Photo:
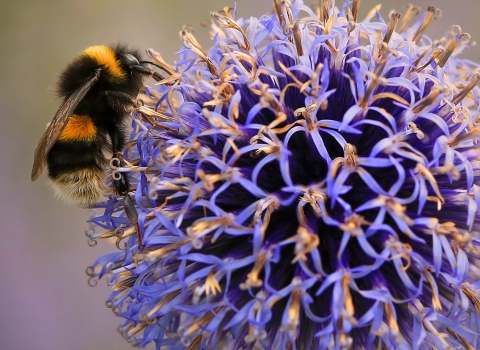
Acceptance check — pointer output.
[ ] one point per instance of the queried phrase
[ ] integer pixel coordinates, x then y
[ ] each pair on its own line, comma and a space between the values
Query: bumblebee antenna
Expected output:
156, 65
147, 71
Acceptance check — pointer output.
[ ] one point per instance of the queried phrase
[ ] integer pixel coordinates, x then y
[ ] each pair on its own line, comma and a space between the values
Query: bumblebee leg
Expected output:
118, 99
121, 184
133, 217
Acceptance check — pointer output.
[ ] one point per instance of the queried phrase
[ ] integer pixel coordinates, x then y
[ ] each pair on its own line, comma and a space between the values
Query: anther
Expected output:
323, 10
427, 100
228, 22
453, 44
375, 81
298, 39
305, 111
392, 23
355, 7
429, 17
435, 54
466, 90
191, 43
278, 9
160, 62
350, 155
409, 14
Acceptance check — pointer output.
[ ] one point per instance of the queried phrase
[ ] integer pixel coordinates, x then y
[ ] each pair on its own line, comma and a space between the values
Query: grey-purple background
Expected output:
45, 301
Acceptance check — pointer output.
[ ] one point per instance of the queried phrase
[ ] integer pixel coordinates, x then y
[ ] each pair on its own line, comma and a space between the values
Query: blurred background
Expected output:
45, 301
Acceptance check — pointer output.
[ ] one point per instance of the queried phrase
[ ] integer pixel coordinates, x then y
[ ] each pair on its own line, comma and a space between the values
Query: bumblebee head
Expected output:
121, 68
129, 60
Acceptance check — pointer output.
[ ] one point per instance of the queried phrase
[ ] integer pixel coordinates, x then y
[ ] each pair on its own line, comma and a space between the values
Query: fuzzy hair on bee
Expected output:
98, 88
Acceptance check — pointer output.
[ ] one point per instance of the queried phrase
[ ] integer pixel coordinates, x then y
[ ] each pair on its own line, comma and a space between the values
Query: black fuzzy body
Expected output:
108, 114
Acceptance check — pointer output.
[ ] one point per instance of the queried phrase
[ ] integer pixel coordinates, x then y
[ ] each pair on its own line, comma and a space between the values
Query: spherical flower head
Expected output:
309, 182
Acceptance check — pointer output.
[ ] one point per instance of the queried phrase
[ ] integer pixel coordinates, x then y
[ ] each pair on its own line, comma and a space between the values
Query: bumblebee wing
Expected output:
55, 128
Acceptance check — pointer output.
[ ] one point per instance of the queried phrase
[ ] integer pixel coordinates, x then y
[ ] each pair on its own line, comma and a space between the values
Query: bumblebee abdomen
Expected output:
76, 164
83, 187
79, 128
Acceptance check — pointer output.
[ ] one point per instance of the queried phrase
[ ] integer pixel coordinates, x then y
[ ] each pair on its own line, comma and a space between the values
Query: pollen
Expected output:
105, 57
79, 128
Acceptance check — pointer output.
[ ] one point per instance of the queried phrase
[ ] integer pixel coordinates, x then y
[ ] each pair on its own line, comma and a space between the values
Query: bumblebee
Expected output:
98, 89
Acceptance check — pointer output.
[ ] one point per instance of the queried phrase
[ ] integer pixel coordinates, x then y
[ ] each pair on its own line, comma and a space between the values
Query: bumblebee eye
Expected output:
130, 60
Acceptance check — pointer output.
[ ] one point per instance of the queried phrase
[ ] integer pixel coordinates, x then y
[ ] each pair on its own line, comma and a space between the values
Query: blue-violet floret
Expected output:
311, 181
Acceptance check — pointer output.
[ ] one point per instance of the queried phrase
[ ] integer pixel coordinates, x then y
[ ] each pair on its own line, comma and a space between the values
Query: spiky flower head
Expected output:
309, 182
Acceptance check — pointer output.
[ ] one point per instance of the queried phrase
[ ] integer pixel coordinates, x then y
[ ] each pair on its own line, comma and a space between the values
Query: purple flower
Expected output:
309, 182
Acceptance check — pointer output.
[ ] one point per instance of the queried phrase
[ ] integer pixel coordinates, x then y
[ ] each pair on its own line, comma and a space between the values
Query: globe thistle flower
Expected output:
309, 182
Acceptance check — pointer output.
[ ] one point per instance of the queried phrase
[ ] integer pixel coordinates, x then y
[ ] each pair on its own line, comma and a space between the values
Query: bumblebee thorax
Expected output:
107, 61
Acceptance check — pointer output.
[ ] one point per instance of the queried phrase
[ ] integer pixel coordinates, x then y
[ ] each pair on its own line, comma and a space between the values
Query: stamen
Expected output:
252, 278
351, 22
466, 90
164, 301
355, 7
228, 22
353, 225
138, 328
435, 54
409, 14
472, 134
278, 9
306, 242
347, 296
472, 297
425, 173
449, 230
312, 195
427, 101
200, 323
211, 284
350, 155
448, 168
297, 39
126, 283
227, 11
322, 10
305, 111
268, 204
453, 44
162, 252
195, 342
391, 96
158, 59
202, 227
437, 305
392, 23
328, 25
294, 309
375, 81
191, 43
284, 9
255, 333
392, 322
429, 17
461, 340
267, 98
